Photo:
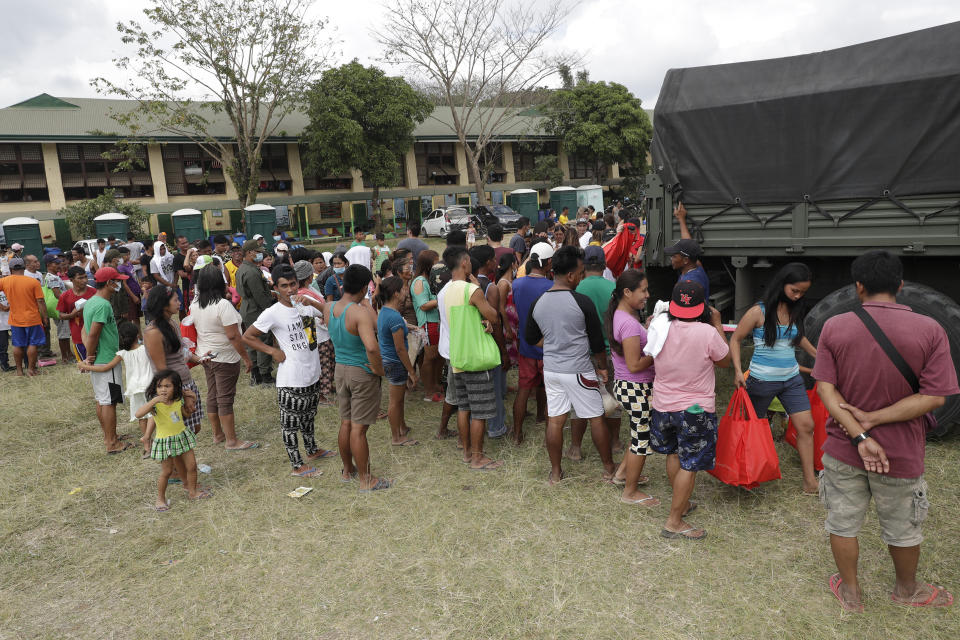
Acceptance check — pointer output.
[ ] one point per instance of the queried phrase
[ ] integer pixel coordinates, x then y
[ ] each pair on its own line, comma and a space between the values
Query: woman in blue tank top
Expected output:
776, 325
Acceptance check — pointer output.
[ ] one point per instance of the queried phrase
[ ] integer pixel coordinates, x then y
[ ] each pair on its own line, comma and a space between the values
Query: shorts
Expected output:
396, 373
433, 333
635, 398
108, 387
80, 351
192, 421
578, 390
475, 393
23, 337
451, 395
221, 386
63, 329
792, 394
692, 436
901, 503
358, 394
530, 372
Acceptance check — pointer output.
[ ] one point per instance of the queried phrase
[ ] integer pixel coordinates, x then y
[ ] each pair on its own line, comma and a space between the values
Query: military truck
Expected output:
816, 158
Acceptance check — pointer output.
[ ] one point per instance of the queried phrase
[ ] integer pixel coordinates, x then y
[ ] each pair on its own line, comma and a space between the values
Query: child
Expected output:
146, 283
392, 336
173, 446
266, 265
138, 372
381, 253
471, 235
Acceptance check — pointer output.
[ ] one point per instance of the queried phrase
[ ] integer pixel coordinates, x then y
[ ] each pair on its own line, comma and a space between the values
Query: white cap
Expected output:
543, 251
281, 246
16, 246
257, 237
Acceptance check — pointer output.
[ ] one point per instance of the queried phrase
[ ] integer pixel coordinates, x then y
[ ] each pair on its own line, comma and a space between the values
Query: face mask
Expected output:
277, 238
117, 286
121, 261
339, 270
259, 257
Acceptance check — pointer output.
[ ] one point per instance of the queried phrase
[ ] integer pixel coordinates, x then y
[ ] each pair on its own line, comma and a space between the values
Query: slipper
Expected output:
125, 436
307, 473
126, 445
692, 506
353, 476
614, 480
146, 456
322, 454
640, 501
666, 533
382, 483
409, 442
246, 445
163, 508
445, 436
563, 476
642, 480
834, 583
174, 481
935, 591
203, 495
493, 465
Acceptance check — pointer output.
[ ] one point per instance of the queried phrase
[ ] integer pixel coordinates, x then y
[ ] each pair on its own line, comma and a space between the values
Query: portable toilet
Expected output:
262, 219
591, 194
561, 197
189, 223
112, 224
26, 231
526, 202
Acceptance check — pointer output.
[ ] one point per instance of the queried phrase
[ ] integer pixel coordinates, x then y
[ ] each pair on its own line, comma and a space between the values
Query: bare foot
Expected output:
321, 454
446, 434
573, 453
406, 442
162, 505
517, 438
811, 489
404, 430
617, 447
553, 480
200, 494
639, 498
303, 471
483, 463
684, 530
219, 438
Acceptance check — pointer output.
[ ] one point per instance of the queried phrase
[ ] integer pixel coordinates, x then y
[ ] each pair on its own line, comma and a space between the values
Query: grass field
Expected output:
447, 553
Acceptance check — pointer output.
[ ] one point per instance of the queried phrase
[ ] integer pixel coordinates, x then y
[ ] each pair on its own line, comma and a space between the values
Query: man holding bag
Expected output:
880, 370
474, 356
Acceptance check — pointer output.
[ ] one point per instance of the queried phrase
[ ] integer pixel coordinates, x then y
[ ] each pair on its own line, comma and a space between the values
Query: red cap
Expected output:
106, 274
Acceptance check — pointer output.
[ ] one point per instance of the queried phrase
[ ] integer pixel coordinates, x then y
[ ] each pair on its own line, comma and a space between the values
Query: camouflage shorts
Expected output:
692, 436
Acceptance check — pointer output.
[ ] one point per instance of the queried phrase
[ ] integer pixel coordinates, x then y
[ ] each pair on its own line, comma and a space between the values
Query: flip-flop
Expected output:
322, 454
174, 481
409, 442
493, 465
203, 495
246, 445
641, 501
146, 456
353, 476
446, 436
642, 480
563, 476
382, 483
164, 508
935, 591
666, 533
307, 473
834, 583
126, 445
692, 506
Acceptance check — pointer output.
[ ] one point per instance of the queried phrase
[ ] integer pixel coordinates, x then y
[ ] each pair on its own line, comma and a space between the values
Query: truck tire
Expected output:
921, 299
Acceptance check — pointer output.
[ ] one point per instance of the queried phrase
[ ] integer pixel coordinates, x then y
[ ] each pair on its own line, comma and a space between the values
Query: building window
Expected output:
274, 170
436, 163
491, 162
87, 170
189, 170
525, 156
581, 169
343, 181
403, 176
22, 178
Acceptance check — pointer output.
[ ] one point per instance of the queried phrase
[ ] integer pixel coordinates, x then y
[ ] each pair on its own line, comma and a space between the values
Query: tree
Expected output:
80, 215
599, 123
545, 167
481, 57
360, 118
250, 59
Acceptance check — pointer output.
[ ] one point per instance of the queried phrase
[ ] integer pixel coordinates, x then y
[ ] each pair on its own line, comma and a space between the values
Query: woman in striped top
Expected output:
776, 324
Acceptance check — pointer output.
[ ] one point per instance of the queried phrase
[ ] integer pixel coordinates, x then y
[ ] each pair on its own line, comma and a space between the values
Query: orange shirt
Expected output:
22, 294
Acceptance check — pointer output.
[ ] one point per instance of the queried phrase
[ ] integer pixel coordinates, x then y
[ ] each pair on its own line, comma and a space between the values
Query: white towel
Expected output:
658, 329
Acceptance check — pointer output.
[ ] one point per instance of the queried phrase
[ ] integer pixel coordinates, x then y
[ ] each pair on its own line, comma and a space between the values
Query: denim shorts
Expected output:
792, 393
692, 436
396, 373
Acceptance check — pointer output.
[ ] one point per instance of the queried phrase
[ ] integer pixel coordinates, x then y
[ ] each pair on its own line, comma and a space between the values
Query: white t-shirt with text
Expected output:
294, 329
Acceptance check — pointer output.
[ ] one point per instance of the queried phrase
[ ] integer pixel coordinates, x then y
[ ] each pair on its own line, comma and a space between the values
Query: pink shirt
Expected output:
626, 325
685, 367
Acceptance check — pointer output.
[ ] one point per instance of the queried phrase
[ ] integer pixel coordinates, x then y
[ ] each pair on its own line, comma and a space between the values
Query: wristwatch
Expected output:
856, 440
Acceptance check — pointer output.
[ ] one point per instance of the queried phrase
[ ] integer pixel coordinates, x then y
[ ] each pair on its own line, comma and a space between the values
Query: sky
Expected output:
57, 46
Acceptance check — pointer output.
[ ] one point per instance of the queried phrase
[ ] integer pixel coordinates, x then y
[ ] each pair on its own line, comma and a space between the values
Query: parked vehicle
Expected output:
439, 222
500, 214
816, 158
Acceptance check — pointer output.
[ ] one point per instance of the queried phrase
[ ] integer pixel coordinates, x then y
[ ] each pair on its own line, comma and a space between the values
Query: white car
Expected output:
439, 221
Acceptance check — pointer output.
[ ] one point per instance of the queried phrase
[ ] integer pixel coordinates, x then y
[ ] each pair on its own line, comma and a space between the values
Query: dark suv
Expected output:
500, 214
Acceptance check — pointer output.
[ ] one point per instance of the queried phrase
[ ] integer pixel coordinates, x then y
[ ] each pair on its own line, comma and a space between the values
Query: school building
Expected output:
55, 151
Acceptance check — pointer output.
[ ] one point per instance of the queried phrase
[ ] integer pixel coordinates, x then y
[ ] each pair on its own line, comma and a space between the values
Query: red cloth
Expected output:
617, 251
66, 304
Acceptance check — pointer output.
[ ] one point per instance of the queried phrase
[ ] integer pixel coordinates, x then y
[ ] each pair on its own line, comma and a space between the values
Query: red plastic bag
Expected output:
820, 415
746, 455
188, 337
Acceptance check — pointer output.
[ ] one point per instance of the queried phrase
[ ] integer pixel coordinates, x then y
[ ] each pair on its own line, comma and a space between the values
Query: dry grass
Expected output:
448, 553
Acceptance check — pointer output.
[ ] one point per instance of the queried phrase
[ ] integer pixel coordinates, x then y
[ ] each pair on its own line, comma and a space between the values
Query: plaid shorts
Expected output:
692, 436
173, 446
474, 392
192, 422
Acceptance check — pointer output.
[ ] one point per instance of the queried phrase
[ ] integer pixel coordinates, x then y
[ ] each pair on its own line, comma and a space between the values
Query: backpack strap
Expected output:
888, 348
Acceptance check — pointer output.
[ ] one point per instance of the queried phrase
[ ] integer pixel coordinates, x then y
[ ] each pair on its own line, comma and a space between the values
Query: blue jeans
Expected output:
498, 426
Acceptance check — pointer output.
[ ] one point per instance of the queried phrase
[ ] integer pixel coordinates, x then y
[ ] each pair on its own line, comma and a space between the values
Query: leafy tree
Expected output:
545, 166
250, 60
360, 118
599, 123
480, 58
80, 215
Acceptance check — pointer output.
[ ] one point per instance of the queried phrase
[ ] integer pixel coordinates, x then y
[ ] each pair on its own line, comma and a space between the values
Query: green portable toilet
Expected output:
112, 224
561, 197
189, 223
591, 194
526, 202
262, 219
26, 231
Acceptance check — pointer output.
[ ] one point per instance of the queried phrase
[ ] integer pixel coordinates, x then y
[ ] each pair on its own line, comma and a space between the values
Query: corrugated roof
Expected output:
45, 117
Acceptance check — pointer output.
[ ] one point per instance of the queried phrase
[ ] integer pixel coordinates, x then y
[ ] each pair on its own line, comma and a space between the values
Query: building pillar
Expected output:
157, 174
410, 167
51, 169
357, 183
613, 171
461, 159
508, 162
296, 169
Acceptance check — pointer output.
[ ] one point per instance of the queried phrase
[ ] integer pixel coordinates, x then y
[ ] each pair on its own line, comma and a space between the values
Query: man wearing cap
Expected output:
255, 298
683, 422
583, 232
28, 315
259, 238
684, 257
526, 290
102, 342
53, 281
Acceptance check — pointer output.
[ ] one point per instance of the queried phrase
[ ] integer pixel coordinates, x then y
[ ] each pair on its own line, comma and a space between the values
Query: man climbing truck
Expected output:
816, 158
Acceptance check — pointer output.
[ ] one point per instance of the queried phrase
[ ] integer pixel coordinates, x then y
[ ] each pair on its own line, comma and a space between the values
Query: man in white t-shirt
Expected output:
101, 251
583, 232
292, 321
136, 248
360, 254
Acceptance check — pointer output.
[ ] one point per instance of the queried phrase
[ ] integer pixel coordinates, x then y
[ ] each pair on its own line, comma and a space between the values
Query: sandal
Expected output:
641, 501
307, 473
246, 445
935, 592
492, 465
322, 454
126, 445
666, 533
166, 507
382, 483
409, 442
203, 495
835, 583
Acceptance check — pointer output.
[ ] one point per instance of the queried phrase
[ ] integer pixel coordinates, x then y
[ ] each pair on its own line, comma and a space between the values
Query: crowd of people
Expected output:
326, 329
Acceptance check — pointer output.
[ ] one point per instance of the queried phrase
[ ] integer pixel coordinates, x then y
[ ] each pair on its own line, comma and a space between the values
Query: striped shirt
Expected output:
776, 363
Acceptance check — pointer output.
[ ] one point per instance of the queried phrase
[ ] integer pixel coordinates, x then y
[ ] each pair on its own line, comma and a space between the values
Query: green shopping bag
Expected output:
51, 301
471, 348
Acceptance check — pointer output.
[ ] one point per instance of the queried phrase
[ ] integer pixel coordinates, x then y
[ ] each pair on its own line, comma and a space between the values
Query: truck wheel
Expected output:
921, 299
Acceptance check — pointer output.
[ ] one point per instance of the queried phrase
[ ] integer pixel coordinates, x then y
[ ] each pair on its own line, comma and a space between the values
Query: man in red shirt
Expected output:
28, 316
68, 309
876, 433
